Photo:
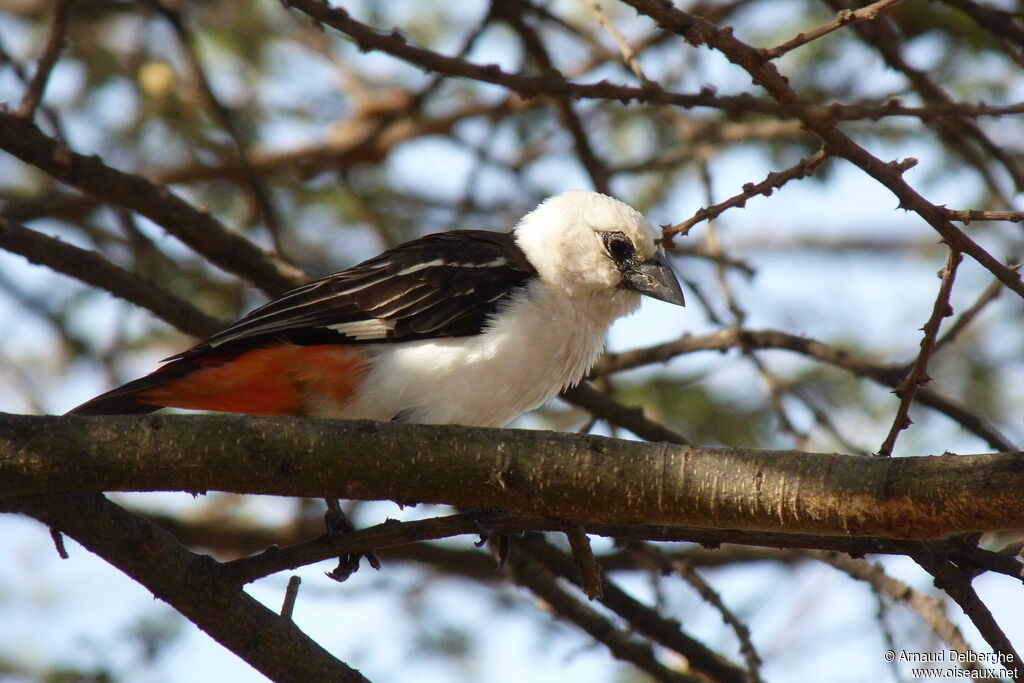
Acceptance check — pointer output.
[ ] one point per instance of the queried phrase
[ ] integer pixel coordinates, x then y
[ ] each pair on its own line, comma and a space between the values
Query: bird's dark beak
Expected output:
654, 278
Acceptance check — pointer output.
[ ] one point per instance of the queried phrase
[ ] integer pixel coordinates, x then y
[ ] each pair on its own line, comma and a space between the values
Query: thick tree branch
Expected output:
529, 472
189, 583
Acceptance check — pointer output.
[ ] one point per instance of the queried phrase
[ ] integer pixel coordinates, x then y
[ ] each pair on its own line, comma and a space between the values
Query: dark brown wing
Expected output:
442, 285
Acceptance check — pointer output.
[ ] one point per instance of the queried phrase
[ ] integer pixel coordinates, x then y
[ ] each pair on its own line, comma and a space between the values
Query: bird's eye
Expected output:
619, 247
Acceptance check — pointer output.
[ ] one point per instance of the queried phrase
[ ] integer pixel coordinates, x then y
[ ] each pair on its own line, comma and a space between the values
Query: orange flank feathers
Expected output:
279, 380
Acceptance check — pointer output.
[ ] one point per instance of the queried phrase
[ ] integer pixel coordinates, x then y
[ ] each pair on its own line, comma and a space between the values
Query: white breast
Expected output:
541, 342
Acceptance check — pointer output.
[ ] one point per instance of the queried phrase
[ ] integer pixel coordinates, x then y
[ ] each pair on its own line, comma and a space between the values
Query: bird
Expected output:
467, 327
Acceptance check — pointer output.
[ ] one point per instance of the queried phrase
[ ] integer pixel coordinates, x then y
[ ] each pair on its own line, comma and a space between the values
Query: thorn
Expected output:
58, 543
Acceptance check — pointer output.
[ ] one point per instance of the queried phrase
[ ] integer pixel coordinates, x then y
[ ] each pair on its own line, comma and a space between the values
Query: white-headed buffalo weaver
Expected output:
468, 326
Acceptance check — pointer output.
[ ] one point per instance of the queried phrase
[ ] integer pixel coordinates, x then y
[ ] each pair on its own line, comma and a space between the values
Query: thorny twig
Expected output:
918, 375
772, 182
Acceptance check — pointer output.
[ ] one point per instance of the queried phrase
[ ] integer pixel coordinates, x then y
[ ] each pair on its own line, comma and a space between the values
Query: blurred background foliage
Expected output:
292, 136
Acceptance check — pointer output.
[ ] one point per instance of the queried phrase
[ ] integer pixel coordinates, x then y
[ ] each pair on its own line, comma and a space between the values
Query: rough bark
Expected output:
577, 477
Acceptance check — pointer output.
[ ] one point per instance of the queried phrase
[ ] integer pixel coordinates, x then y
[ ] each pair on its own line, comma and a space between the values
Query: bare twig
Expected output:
553, 84
607, 408
999, 22
843, 18
952, 579
772, 182
888, 375
683, 568
918, 375
257, 188
990, 294
629, 56
550, 84
931, 609
540, 581
591, 578
971, 215
91, 268
886, 38
58, 543
273, 559
198, 229
535, 49
54, 44
640, 617
701, 32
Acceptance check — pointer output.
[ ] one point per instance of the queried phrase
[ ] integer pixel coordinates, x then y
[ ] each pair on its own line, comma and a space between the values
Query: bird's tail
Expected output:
273, 380
130, 398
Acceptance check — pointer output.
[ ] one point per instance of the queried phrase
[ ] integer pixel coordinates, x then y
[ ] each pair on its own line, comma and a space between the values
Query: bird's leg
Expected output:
501, 543
338, 523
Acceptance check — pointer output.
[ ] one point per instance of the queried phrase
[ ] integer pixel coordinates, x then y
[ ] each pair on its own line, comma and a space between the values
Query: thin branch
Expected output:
195, 228
640, 617
23, 77
886, 39
33, 96
918, 375
399, 541
381, 536
555, 85
290, 594
257, 189
774, 181
701, 32
550, 84
91, 268
535, 48
932, 610
236, 537
971, 215
889, 636
603, 406
994, 289
683, 568
952, 579
541, 582
887, 375
626, 51
999, 22
843, 18
589, 569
